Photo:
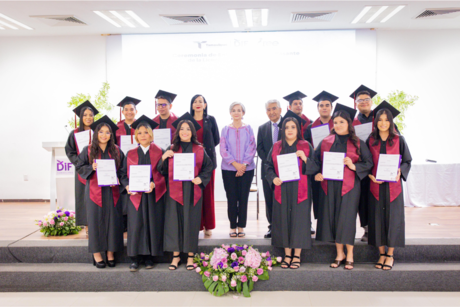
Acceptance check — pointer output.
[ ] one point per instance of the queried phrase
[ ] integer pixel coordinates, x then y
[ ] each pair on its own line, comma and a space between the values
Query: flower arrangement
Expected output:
58, 223
234, 268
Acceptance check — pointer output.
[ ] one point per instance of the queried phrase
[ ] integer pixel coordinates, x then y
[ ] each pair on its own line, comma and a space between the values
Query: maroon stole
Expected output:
395, 187
175, 187
122, 131
83, 181
155, 154
348, 174
318, 122
308, 122
303, 183
95, 191
356, 122
172, 118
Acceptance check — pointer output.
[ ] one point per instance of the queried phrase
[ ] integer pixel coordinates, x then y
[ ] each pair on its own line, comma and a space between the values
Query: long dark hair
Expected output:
284, 143
375, 132
176, 139
113, 149
205, 110
82, 113
351, 130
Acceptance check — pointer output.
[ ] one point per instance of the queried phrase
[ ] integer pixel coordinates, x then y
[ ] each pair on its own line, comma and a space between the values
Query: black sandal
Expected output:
190, 266
242, 234
173, 267
387, 265
295, 265
285, 263
349, 263
381, 264
233, 234
338, 262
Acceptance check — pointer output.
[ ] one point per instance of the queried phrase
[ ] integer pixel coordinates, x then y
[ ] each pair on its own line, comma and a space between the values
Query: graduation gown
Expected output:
124, 129
145, 223
291, 218
386, 216
106, 221
337, 213
166, 123
182, 221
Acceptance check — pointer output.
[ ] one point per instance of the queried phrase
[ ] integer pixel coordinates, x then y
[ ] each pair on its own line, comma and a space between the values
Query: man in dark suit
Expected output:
268, 134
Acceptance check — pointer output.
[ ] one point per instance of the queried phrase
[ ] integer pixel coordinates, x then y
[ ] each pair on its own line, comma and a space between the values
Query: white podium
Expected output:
62, 182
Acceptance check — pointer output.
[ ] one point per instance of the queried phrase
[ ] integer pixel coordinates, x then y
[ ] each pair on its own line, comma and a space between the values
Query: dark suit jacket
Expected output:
265, 143
211, 137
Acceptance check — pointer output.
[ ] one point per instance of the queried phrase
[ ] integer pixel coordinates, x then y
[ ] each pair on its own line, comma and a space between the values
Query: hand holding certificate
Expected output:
139, 178
387, 169
184, 166
333, 165
363, 131
319, 133
125, 143
162, 137
106, 172
288, 167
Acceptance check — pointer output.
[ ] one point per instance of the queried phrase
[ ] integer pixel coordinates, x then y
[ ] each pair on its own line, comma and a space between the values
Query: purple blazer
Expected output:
237, 145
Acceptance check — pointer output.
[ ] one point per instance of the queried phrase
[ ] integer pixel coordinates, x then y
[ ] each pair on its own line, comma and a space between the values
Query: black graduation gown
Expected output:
145, 225
123, 194
80, 208
106, 222
337, 214
182, 222
386, 219
291, 222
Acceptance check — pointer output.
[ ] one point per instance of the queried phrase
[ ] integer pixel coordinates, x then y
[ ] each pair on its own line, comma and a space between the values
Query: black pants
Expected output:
268, 194
237, 190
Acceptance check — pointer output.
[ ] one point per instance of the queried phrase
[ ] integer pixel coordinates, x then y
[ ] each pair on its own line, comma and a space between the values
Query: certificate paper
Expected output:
333, 165
82, 139
363, 131
125, 143
184, 166
387, 169
319, 133
162, 137
139, 178
106, 172
288, 167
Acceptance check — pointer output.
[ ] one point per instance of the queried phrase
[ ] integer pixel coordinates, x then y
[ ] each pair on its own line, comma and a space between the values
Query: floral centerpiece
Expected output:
234, 268
58, 223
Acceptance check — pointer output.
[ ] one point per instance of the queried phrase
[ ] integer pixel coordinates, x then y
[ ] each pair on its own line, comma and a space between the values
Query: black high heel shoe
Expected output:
190, 267
173, 267
99, 265
110, 263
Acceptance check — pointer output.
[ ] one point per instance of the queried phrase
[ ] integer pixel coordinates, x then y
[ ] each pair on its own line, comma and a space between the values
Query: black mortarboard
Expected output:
385, 105
187, 116
294, 96
128, 100
325, 96
362, 88
78, 109
107, 120
144, 118
166, 95
288, 114
350, 111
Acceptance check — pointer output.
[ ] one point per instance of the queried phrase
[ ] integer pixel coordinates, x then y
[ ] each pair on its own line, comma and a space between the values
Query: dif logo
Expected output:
64, 168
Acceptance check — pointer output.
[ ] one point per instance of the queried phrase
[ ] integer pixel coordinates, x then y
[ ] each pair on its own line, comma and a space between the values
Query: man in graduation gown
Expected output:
296, 106
165, 118
267, 135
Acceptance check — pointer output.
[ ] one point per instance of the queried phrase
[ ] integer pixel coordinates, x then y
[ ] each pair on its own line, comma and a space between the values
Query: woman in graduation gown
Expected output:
386, 199
86, 111
145, 209
184, 199
104, 210
292, 201
339, 200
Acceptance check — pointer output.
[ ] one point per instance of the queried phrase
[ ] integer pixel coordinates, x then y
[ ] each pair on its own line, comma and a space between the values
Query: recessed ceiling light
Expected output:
123, 19
233, 18
8, 25
248, 18
360, 15
138, 19
100, 14
264, 17
15, 22
383, 8
395, 11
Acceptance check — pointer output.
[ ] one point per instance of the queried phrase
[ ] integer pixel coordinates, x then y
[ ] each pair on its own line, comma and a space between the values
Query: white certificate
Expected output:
184, 166
106, 172
387, 169
162, 137
288, 167
319, 133
139, 178
333, 165
125, 143
363, 131
82, 139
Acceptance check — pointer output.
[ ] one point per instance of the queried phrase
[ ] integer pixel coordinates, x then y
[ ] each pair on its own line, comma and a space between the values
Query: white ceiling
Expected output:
217, 15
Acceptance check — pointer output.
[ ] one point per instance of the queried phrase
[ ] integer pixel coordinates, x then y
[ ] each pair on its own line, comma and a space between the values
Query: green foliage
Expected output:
401, 101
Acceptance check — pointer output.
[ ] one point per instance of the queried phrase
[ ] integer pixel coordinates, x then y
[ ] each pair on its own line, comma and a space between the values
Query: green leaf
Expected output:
238, 286
251, 285
212, 287
219, 291
226, 288
207, 283
246, 290
264, 276
203, 278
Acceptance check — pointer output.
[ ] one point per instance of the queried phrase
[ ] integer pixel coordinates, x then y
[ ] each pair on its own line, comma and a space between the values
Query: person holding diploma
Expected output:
386, 199
339, 198
104, 211
166, 118
209, 137
238, 149
296, 106
292, 201
184, 197
86, 112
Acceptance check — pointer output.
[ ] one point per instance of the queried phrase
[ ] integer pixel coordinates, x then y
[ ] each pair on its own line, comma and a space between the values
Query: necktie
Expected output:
275, 133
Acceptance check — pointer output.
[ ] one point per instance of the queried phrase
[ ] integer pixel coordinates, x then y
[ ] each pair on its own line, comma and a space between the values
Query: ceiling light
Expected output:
264, 17
383, 8
123, 19
233, 18
138, 19
395, 11
8, 25
360, 15
249, 22
107, 18
16, 22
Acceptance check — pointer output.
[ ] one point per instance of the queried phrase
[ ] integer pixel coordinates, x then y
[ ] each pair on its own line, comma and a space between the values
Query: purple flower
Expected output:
269, 258
240, 248
220, 265
55, 218
234, 264
231, 250
57, 211
67, 213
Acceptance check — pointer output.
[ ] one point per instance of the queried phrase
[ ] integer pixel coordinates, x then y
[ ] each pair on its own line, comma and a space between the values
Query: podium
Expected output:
62, 177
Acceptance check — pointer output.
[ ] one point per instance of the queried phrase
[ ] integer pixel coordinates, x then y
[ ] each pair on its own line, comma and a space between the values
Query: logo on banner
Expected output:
64, 168
199, 44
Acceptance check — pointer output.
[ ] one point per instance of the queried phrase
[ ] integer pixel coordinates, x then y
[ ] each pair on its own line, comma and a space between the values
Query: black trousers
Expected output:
268, 194
237, 190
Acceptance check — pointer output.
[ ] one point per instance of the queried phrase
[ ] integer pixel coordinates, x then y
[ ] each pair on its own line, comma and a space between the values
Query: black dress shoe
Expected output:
99, 265
312, 230
134, 267
365, 237
268, 234
148, 264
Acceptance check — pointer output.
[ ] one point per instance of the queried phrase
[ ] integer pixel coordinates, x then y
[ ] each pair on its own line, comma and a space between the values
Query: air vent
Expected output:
60, 20
439, 13
185, 19
324, 16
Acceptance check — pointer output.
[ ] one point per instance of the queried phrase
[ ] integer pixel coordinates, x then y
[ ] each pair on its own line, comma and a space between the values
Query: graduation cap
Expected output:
385, 105
107, 120
294, 96
325, 96
341, 107
166, 95
362, 88
78, 109
144, 119
187, 116
127, 100
288, 114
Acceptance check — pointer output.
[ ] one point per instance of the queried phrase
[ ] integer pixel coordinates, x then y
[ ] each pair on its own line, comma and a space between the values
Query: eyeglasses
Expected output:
360, 101
163, 105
